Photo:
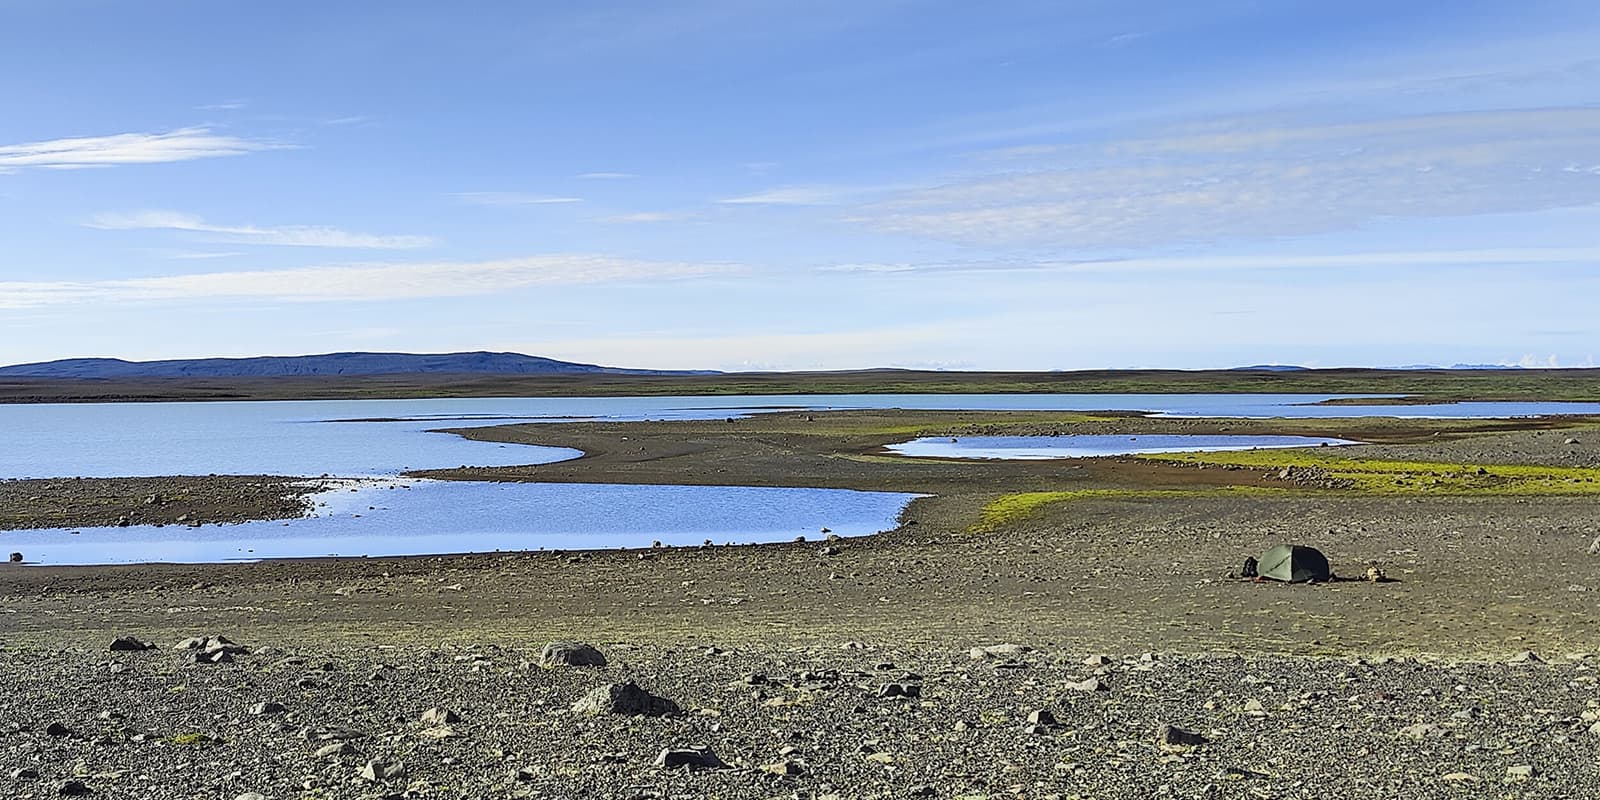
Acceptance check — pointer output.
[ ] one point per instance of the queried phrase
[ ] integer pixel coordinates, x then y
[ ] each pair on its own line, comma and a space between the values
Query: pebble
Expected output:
377, 770
440, 716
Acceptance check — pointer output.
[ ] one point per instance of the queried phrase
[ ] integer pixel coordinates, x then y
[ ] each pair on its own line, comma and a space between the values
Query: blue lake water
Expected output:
1033, 448
315, 438
428, 517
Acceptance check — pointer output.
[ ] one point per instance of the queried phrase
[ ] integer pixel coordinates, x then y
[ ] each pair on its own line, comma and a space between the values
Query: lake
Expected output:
323, 438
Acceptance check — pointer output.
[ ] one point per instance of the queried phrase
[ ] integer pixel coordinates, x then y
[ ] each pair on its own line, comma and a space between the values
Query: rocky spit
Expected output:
221, 716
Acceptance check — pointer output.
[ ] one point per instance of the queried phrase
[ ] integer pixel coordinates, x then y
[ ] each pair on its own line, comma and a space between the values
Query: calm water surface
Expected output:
409, 517
344, 438
1033, 448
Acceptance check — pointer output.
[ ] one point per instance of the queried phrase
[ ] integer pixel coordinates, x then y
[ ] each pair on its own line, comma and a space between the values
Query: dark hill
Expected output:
479, 363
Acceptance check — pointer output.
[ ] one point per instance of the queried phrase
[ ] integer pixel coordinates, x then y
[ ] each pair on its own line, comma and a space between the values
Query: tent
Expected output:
1293, 563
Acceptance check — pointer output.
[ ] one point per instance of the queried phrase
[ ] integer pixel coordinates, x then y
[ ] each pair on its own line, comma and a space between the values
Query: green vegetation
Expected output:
1372, 476
1010, 508
195, 740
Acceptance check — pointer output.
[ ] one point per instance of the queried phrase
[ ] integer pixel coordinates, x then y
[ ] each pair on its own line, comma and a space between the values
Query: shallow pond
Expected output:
1084, 446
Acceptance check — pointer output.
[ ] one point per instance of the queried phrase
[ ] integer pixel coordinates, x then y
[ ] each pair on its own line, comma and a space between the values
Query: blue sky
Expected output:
755, 184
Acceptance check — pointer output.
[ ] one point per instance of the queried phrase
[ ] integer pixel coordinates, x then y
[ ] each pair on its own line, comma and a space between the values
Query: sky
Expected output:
826, 184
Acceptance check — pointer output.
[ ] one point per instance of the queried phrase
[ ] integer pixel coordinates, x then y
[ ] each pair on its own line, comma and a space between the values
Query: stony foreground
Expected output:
845, 720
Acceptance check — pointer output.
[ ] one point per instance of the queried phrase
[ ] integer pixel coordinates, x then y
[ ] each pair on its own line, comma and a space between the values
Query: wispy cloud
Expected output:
1484, 257
286, 235
356, 282
793, 196
185, 144
231, 105
644, 216
607, 176
511, 199
1245, 178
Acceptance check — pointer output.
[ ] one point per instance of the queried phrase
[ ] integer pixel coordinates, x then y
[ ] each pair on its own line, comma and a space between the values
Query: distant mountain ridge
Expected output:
479, 362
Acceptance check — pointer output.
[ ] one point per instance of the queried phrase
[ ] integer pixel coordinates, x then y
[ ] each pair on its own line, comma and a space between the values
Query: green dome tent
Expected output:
1293, 563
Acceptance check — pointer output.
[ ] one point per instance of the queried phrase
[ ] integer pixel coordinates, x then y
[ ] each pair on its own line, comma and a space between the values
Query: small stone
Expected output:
900, 690
1089, 685
1521, 772
263, 709
57, 730
16, 558
440, 716
1422, 730
689, 758
1526, 657
1042, 717
571, 654
784, 768
382, 770
335, 749
1097, 661
24, 774
1007, 650
73, 789
128, 644
251, 796
1172, 738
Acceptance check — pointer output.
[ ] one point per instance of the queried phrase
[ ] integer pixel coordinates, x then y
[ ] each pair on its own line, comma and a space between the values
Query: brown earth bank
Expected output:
89, 502
1437, 385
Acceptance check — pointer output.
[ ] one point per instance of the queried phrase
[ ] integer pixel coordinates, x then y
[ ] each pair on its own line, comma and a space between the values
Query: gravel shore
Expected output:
792, 722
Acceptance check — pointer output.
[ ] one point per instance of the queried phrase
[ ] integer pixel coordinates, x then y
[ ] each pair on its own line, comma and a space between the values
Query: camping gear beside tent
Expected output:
1293, 563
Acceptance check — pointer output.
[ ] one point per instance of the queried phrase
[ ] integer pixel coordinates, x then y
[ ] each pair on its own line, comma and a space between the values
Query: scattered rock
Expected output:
689, 758
1521, 772
335, 749
263, 709
24, 774
571, 654
128, 644
73, 789
1042, 717
1172, 738
57, 730
376, 770
16, 558
1423, 730
1097, 661
1007, 650
1526, 657
625, 699
900, 690
440, 716
785, 768
1089, 685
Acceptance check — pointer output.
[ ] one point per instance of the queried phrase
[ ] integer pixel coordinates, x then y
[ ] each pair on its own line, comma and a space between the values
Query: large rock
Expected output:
626, 699
690, 757
128, 644
571, 654
1172, 738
